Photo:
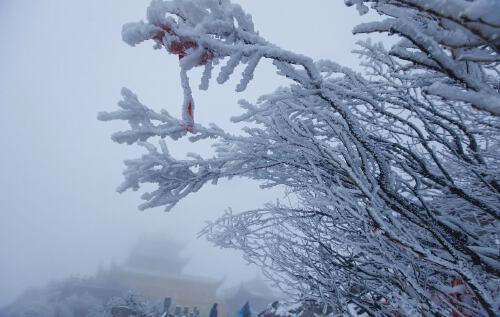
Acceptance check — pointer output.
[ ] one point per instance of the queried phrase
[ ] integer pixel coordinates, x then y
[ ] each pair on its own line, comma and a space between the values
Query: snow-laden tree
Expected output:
396, 171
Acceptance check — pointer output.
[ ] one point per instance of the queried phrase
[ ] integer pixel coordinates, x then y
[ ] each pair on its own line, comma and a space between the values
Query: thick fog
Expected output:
61, 62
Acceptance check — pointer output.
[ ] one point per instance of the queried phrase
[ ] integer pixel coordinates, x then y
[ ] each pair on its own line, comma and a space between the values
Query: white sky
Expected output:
61, 62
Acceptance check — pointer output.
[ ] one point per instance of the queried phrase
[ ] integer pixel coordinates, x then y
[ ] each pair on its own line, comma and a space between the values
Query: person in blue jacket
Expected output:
245, 311
213, 311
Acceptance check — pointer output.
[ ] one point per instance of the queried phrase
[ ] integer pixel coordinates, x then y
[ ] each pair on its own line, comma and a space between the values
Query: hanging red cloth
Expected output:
457, 296
179, 46
191, 116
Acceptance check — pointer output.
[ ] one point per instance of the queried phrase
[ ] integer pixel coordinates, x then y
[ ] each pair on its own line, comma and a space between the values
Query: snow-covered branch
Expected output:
395, 172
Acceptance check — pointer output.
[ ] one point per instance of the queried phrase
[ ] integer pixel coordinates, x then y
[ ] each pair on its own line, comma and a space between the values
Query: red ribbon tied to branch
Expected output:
183, 46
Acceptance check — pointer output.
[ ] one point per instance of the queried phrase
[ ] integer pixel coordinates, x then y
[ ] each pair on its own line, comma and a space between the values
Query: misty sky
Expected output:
63, 61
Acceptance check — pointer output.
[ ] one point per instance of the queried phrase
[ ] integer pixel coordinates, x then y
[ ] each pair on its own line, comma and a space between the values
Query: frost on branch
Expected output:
458, 40
187, 29
395, 172
203, 33
141, 120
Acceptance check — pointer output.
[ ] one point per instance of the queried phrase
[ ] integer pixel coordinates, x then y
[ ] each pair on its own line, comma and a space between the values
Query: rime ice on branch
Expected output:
396, 171
184, 31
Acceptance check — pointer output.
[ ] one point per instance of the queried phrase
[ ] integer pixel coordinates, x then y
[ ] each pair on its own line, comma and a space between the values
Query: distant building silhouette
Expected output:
154, 269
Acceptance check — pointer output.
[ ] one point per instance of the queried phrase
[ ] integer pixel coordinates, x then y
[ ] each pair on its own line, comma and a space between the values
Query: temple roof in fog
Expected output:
157, 254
